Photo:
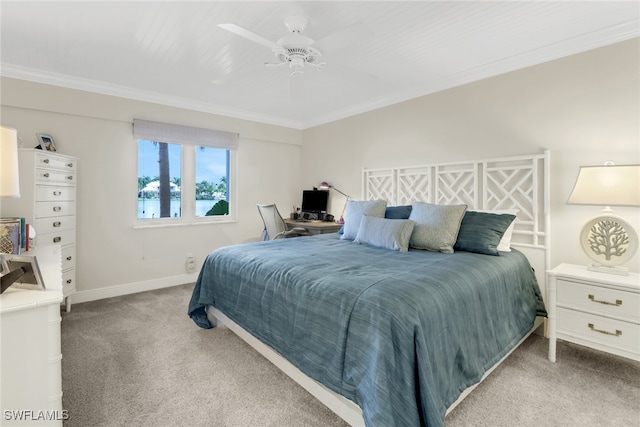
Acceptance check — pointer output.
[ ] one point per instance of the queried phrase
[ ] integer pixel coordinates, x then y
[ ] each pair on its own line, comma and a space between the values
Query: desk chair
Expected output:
274, 225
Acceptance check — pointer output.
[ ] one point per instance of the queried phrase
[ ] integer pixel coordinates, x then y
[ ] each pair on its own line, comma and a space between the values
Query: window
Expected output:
183, 172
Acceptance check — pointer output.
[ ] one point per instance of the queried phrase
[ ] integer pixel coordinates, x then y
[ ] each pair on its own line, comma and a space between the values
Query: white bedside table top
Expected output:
580, 272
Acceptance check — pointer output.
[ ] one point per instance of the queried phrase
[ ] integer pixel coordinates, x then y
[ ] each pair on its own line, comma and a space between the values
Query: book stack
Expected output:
14, 235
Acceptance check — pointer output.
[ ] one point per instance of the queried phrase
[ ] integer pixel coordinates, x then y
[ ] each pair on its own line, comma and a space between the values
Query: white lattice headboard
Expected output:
520, 183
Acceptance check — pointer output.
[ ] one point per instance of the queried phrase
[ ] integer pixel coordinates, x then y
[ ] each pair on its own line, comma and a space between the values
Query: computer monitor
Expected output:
315, 201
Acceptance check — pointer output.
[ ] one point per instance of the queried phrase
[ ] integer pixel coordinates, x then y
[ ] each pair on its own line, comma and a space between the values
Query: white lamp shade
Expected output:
9, 177
609, 185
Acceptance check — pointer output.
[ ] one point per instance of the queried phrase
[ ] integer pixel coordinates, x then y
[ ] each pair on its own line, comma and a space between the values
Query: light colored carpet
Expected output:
139, 360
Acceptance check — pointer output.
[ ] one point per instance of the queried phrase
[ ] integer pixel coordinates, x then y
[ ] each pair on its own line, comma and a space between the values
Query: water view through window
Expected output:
160, 191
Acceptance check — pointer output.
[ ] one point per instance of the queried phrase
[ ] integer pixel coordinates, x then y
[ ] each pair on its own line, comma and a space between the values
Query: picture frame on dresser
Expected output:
31, 277
46, 142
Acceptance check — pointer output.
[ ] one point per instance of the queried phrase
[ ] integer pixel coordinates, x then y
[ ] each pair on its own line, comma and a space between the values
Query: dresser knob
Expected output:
69, 281
70, 177
46, 175
69, 258
45, 161
69, 165
57, 224
57, 193
57, 239
57, 208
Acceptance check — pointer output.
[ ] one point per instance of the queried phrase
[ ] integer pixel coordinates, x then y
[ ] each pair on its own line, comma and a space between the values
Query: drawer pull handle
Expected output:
57, 239
46, 175
69, 258
57, 193
69, 165
46, 161
616, 334
70, 177
57, 224
617, 303
57, 208
69, 281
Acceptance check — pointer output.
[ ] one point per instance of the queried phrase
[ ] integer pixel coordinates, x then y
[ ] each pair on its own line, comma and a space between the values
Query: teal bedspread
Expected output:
400, 334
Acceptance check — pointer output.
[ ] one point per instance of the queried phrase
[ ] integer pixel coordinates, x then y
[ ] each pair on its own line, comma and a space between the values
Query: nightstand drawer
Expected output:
599, 300
600, 330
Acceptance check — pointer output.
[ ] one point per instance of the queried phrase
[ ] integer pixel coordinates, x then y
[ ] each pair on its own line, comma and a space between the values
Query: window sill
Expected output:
163, 223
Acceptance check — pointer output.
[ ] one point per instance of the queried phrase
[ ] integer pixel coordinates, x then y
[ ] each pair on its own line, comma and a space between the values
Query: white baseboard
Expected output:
131, 288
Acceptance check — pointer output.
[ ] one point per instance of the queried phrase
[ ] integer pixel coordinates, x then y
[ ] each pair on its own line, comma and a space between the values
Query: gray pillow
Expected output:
437, 226
385, 233
355, 210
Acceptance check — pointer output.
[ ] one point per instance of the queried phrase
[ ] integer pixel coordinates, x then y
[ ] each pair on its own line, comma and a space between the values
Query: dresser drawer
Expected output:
48, 161
55, 224
51, 194
601, 330
57, 238
48, 176
53, 209
68, 257
68, 282
599, 300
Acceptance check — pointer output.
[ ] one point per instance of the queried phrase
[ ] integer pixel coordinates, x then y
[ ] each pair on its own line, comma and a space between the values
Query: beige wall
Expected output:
584, 108
98, 130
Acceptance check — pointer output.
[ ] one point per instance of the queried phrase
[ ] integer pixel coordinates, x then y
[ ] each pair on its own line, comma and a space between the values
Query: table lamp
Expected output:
9, 187
608, 240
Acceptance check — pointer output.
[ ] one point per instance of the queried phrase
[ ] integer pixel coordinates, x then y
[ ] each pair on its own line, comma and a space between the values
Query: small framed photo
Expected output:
31, 277
46, 142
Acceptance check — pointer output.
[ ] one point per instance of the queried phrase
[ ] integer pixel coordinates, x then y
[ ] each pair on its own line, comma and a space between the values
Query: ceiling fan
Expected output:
297, 50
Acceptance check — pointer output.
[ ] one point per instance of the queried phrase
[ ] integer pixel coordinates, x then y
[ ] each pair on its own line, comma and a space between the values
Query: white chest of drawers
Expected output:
597, 310
48, 202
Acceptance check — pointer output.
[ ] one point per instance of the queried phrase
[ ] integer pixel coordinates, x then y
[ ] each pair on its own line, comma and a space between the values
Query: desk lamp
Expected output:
325, 186
608, 240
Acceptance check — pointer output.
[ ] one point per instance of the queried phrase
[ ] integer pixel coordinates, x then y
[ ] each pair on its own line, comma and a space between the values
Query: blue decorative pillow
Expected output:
385, 233
436, 226
354, 212
481, 232
398, 212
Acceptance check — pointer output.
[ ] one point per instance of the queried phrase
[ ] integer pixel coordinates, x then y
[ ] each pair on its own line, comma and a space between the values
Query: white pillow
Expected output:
505, 241
385, 233
354, 212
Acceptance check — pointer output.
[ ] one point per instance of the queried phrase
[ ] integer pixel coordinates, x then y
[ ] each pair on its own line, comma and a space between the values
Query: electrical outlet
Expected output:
190, 264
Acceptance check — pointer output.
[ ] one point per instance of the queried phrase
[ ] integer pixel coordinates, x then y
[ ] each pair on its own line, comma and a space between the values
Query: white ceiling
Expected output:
174, 53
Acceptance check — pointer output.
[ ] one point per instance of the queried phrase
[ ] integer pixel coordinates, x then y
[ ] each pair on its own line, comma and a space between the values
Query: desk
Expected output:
314, 227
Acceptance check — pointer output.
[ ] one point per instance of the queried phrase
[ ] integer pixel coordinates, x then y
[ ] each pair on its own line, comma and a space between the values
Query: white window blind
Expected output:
166, 132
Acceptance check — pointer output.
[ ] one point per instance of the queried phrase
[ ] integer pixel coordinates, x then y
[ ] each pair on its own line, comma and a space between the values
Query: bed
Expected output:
388, 337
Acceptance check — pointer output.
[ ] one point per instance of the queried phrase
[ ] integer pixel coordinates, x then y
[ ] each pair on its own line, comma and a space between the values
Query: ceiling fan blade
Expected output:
346, 37
243, 32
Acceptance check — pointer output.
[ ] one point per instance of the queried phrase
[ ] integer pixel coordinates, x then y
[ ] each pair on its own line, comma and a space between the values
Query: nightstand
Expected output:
597, 310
